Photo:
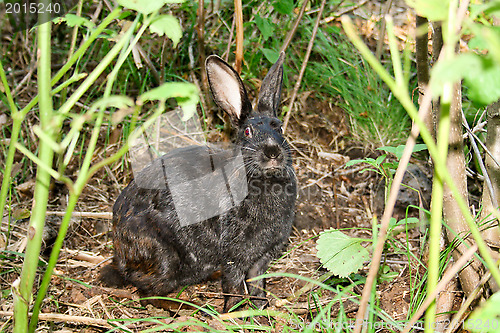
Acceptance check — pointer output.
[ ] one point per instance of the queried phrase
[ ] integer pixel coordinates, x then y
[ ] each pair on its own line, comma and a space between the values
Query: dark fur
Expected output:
156, 254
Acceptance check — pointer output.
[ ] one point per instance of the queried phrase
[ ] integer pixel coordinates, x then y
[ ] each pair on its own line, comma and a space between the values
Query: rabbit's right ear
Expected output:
228, 89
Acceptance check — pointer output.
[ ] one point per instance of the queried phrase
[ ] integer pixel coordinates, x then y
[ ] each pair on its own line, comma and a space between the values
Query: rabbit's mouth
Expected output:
273, 169
272, 164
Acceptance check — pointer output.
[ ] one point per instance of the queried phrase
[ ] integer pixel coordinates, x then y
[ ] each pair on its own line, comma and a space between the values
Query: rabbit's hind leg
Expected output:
146, 263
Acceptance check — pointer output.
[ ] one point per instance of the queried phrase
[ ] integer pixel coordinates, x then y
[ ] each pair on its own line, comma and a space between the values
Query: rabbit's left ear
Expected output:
270, 90
228, 89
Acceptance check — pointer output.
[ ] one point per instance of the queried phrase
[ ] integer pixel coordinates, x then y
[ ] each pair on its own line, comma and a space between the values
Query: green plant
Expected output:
51, 142
341, 254
376, 117
443, 86
384, 167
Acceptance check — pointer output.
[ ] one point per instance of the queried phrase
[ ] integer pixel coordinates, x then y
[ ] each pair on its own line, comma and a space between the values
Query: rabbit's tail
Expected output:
111, 276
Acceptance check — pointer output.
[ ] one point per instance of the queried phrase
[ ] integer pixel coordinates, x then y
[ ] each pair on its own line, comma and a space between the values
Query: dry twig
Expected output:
57, 317
238, 10
389, 209
105, 215
291, 33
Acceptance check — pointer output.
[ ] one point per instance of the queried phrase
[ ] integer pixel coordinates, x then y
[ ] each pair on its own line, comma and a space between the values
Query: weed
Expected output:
376, 117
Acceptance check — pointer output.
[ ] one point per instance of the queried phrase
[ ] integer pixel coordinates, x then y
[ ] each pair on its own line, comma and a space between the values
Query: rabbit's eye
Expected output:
248, 132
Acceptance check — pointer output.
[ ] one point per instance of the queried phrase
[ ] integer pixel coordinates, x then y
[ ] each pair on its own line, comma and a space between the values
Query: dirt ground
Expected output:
330, 196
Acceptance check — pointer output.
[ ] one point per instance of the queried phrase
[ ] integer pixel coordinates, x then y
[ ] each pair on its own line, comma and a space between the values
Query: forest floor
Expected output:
330, 196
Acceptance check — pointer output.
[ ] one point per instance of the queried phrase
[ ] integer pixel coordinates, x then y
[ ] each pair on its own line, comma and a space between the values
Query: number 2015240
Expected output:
32, 8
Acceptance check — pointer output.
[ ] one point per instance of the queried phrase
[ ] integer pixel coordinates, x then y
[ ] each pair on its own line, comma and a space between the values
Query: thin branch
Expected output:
291, 33
105, 215
200, 29
58, 318
155, 75
389, 209
479, 159
466, 305
238, 11
231, 33
486, 150
380, 43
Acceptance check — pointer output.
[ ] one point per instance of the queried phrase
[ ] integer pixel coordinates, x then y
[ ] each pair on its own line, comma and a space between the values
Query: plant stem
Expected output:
23, 295
304, 64
89, 81
17, 119
114, 14
85, 45
73, 199
437, 186
84, 170
440, 166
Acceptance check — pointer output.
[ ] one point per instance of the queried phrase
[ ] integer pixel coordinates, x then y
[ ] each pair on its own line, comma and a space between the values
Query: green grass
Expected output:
338, 71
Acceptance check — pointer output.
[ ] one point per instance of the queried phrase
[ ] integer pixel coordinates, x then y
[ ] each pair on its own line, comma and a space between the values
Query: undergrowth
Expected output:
336, 73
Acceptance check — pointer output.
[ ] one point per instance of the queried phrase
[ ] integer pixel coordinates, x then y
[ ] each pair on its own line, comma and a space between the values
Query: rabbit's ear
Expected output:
270, 90
228, 89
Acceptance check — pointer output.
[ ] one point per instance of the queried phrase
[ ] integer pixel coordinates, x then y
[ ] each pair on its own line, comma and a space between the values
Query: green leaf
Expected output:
491, 36
398, 151
116, 101
392, 222
432, 9
368, 160
487, 317
265, 26
167, 25
419, 147
188, 110
284, 7
410, 220
270, 55
484, 83
450, 71
169, 90
186, 95
380, 159
490, 7
73, 20
387, 274
146, 6
341, 254
481, 76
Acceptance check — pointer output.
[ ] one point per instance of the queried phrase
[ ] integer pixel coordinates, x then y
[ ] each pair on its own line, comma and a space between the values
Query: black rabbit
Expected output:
197, 210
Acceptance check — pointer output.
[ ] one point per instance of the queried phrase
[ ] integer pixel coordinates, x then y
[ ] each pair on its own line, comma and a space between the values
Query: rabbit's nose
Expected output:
272, 151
